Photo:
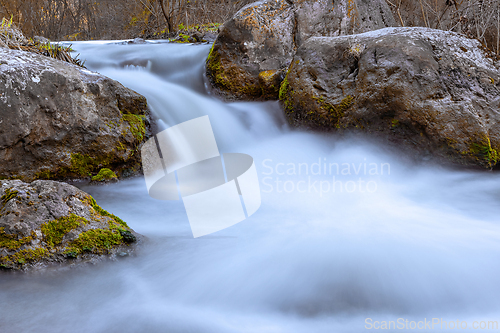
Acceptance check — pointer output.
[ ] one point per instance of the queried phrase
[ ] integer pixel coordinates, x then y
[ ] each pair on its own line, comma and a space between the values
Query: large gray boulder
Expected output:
48, 222
254, 48
435, 91
58, 120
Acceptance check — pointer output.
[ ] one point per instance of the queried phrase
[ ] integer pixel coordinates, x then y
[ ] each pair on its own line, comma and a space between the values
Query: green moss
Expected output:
214, 67
9, 194
84, 165
45, 174
24, 256
104, 174
184, 38
120, 146
14, 242
54, 231
95, 241
137, 125
81, 164
484, 151
395, 123
227, 79
285, 95
92, 203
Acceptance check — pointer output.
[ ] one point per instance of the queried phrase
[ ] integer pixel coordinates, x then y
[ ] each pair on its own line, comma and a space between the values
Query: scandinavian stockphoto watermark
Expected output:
430, 324
322, 176
183, 163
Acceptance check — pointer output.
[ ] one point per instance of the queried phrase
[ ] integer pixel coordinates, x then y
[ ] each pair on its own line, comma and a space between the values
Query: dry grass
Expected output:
11, 37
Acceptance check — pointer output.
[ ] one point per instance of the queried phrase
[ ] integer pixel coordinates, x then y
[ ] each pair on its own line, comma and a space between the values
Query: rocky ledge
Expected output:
47, 222
61, 121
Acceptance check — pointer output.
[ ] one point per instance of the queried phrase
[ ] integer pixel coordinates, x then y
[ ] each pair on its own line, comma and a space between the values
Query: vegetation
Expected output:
104, 174
54, 231
99, 211
95, 241
137, 125
13, 242
9, 194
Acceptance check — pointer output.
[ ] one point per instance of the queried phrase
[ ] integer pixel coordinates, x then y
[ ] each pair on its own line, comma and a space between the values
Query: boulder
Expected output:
59, 120
435, 91
253, 49
47, 222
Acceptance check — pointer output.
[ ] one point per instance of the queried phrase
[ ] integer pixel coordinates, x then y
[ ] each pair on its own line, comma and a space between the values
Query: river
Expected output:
349, 231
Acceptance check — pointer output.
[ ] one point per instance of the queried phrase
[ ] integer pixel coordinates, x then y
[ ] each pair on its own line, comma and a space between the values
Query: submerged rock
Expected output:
432, 90
264, 36
60, 121
49, 222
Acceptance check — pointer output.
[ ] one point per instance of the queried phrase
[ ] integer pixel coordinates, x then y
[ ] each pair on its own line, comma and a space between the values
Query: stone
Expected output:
62, 121
265, 35
434, 91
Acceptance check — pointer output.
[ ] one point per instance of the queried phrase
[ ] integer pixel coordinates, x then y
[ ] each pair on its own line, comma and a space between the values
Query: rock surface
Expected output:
435, 91
60, 121
254, 48
48, 222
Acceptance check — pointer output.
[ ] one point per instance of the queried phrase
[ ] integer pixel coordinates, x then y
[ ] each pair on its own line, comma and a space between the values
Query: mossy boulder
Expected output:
263, 37
61, 121
435, 92
44, 223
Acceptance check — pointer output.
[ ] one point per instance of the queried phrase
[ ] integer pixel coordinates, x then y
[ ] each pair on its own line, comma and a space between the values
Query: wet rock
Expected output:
265, 35
60, 121
137, 41
47, 222
434, 91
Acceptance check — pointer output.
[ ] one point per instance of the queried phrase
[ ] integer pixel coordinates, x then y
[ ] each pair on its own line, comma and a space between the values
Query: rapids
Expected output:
347, 230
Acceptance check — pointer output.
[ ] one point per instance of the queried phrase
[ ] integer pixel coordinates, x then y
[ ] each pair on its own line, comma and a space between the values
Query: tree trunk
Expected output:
167, 16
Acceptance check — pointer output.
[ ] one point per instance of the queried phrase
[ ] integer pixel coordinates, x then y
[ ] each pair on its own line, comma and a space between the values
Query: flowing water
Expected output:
347, 230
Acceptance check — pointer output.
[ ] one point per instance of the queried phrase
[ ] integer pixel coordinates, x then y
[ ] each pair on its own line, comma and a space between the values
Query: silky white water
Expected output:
347, 230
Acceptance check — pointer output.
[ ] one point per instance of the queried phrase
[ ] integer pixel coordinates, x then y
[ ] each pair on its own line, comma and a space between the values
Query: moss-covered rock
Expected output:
428, 91
65, 122
48, 222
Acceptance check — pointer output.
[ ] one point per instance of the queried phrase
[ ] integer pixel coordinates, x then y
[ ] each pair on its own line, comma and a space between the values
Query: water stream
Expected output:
347, 230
